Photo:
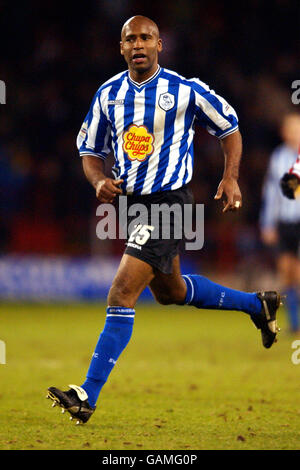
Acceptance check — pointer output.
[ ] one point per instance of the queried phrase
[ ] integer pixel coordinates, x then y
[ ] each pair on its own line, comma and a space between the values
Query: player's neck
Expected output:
140, 77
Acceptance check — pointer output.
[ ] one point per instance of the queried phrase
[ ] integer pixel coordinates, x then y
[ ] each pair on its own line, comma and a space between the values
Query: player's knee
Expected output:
120, 294
168, 298
163, 299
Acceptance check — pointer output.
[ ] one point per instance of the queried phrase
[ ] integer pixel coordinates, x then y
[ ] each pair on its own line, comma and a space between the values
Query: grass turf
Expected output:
189, 379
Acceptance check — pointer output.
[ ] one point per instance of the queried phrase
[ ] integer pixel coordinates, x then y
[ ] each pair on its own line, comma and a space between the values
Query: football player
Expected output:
146, 116
280, 214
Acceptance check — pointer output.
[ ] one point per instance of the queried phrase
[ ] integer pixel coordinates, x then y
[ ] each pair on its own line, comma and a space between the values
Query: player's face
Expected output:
290, 131
140, 46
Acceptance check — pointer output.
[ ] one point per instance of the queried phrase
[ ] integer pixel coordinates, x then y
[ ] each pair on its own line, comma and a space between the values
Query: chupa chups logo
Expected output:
138, 143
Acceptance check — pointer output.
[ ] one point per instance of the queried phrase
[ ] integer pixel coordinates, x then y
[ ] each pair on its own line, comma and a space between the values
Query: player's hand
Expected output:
107, 189
229, 189
289, 183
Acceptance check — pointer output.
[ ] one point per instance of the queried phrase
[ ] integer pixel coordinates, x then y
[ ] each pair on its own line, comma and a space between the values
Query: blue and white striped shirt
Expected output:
276, 207
150, 128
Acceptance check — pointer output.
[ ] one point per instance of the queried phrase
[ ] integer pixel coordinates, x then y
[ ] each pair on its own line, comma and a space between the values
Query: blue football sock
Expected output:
292, 306
112, 341
203, 293
93, 388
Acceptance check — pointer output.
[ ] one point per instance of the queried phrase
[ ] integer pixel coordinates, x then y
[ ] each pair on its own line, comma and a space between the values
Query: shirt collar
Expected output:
139, 85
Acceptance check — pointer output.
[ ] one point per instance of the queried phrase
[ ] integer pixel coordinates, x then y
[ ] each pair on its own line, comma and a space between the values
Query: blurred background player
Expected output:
290, 182
280, 216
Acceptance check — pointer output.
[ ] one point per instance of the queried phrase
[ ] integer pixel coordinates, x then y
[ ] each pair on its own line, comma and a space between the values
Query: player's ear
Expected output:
121, 48
159, 45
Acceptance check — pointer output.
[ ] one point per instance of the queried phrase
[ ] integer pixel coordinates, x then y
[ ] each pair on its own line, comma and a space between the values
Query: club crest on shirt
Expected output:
138, 143
166, 101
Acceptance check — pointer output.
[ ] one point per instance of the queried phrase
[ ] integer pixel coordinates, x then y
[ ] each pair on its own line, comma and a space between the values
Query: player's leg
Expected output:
131, 279
288, 269
197, 290
289, 274
169, 288
206, 294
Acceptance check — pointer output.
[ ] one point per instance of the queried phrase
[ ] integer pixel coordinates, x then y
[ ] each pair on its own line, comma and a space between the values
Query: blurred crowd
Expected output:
56, 55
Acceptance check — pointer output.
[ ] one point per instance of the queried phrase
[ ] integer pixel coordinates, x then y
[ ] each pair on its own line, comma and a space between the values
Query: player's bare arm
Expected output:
106, 188
228, 187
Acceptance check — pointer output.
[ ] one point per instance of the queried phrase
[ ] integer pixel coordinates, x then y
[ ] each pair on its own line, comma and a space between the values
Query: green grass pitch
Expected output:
189, 379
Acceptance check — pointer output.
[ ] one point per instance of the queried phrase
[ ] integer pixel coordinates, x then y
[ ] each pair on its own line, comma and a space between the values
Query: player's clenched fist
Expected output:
107, 189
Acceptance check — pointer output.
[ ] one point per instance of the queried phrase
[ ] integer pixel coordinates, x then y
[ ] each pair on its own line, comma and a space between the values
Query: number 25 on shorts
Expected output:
141, 233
